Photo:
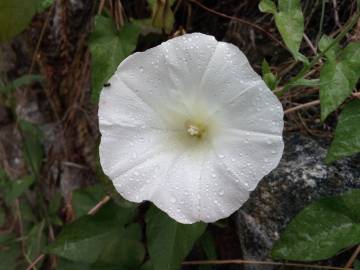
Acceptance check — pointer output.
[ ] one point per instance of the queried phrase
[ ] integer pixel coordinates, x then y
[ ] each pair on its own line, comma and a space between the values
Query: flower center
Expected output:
195, 129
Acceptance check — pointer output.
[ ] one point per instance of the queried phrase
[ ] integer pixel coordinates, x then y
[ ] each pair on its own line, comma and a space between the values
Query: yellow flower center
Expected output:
195, 129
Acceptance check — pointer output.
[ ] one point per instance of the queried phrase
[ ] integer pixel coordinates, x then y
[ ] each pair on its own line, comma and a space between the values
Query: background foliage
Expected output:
88, 225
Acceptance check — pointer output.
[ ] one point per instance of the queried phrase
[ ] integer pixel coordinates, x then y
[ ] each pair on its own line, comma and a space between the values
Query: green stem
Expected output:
321, 21
306, 68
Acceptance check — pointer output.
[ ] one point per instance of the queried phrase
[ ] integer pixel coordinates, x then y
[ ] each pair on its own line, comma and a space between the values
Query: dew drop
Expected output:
221, 193
173, 200
213, 175
221, 156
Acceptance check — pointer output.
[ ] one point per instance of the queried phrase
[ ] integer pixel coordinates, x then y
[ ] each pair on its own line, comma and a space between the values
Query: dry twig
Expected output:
255, 26
353, 257
312, 103
236, 261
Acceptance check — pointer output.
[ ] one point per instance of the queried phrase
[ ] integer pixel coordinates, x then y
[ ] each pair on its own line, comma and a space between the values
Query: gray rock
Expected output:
300, 178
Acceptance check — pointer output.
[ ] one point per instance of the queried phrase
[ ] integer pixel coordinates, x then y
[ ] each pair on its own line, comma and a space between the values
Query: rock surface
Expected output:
300, 178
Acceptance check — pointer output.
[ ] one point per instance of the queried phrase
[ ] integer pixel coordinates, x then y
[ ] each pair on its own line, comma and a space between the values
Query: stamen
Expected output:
194, 129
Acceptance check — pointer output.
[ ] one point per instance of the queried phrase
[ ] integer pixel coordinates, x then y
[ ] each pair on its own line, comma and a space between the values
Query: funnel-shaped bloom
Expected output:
190, 126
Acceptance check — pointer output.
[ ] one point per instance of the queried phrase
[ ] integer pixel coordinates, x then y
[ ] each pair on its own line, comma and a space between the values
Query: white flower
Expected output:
189, 126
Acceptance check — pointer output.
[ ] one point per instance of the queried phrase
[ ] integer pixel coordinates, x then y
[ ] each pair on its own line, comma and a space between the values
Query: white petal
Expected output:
170, 72
145, 148
249, 156
258, 110
228, 74
169, 178
220, 192
122, 148
188, 57
119, 105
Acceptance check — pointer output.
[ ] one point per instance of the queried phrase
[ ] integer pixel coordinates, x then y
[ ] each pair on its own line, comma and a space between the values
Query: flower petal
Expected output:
145, 148
258, 110
169, 178
248, 155
119, 105
123, 148
228, 74
220, 193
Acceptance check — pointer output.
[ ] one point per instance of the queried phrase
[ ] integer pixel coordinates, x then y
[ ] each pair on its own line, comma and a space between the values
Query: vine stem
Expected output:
255, 26
321, 25
302, 106
35, 262
353, 257
238, 261
99, 205
312, 103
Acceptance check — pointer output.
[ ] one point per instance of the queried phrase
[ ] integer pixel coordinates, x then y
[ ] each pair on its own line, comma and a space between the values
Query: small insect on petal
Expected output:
180, 128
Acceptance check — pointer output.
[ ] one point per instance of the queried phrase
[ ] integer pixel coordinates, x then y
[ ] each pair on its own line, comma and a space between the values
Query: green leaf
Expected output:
55, 203
21, 81
325, 43
108, 48
36, 240
339, 78
33, 149
44, 4
16, 188
289, 21
147, 266
85, 239
124, 249
162, 15
269, 78
6, 239
357, 265
267, 6
168, 241
321, 230
10, 252
347, 133
307, 82
334, 87
27, 214
207, 243
70, 265
351, 57
15, 16
85, 199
